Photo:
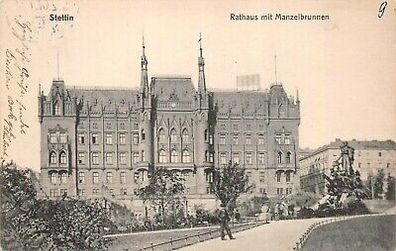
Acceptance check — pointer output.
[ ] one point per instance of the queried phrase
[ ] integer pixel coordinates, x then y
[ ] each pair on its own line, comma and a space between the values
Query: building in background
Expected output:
99, 142
370, 156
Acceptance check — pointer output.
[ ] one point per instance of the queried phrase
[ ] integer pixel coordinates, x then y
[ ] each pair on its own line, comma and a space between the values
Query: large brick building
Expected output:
370, 156
96, 142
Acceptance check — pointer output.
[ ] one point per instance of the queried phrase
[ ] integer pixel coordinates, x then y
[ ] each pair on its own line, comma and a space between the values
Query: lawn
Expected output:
361, 234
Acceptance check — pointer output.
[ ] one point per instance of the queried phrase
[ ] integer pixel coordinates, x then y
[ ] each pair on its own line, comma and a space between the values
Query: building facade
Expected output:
370, 156
98, 142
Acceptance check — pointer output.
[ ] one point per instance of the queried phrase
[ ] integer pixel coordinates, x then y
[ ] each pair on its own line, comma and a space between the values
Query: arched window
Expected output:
54, 177
143, 134
57, 108
173, 135
288, 158
278, 176
162, 136
184, 135
52, 158
162, 156
287, 176
186, 156
279, 157
63, 177
62, 158
206, 135
174, 156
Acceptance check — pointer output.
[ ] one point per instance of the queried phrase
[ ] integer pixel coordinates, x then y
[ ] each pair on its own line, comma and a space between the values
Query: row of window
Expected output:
174, 156
56, 178
236, 141
248, 158
279, 190
57, 138
236, 127
54, 159
108, 138
97, 191
288, 158
279, 176
109, 125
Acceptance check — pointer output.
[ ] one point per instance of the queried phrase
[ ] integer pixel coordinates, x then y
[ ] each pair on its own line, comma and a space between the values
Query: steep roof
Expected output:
246, 102
176, 87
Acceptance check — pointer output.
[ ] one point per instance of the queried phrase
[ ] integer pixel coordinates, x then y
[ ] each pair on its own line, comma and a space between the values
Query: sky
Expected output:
343, 68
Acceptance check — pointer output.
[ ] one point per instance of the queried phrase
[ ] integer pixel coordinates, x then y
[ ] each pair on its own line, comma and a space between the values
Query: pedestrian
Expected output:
224, 218
237, 216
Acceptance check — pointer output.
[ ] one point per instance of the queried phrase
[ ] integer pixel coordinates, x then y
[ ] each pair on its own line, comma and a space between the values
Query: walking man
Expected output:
224, 219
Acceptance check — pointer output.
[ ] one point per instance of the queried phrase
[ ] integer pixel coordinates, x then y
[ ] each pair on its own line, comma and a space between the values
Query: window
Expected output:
135, 157
135, 126
211, 157
235, 158
109, 158
95, 177
185, 136
360, 165
174, 156
206, 156
62, 138
53, 158
279, 191
162, 156
249, 159
262, 190
173, 135
379, 154
211, 139
81, 139
261, 158
62, 158
81, 177
109, 138
54, 192
278, 138
209, 176
223, 158
122, 177
222, 127
248, 139
123, 158
279, 157
109, 177
95, 125
262, 177
53, 139
288, 177
161, 135
278, 177
63, 178
135, 138
206, 135
248, 127
186, 156
95, 139
122, 139
287, 139
95, 191
261, 139
235, 127
81, 192
57, 108
235, 139
54, 178
108, 125
288, 190
143, 134
81, 158
143, 156
95, 158
288, 157
222, 139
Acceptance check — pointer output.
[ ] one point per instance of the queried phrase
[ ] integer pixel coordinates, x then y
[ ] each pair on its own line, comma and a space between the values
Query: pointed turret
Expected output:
144, 86
201, 67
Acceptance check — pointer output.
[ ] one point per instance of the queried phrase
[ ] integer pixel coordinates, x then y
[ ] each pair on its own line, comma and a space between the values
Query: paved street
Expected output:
278, 235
